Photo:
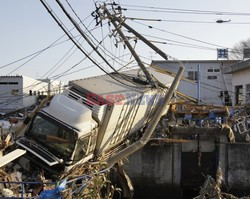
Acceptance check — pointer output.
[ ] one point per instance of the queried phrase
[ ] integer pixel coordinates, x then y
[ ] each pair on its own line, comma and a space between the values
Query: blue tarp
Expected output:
54, 193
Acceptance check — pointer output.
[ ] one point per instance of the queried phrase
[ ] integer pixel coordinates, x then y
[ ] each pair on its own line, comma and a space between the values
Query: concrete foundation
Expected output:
177, 170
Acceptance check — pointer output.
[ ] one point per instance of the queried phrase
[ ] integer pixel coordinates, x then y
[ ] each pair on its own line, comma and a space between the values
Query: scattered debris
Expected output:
89, 181
211, 188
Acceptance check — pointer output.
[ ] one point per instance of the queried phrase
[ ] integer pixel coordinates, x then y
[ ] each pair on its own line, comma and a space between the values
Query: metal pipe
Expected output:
198, 84
151, 127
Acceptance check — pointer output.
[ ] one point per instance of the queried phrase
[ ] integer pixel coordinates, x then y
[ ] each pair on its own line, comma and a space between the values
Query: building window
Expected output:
211, 77
217, 70
14, 92
238, 94
30, 92
15, 83
192, 75
210, 70
224, 95
227, 100
248, 93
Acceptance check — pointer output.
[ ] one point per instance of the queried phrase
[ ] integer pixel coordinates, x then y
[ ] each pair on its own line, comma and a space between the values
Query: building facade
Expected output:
213, 87
240, 81
18, 92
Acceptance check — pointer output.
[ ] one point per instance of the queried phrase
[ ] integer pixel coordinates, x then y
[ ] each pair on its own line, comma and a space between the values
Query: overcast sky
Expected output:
26, 27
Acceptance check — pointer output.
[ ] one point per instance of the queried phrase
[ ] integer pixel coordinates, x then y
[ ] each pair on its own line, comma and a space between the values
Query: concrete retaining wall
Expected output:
164, 169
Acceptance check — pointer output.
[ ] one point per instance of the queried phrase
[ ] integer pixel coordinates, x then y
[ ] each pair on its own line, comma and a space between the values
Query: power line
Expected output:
91, 59
187, 45
181, 43
65, 74
181, 11
56, 77
33, 56
50, 46
88, 41
27, 56
98, 42
185, 21
179, 35
35, 84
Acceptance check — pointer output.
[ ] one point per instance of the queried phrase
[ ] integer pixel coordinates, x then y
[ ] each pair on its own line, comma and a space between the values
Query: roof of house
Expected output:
237, 67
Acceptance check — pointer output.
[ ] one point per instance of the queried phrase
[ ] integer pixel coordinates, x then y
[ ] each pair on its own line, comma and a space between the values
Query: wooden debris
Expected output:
11, 177
211, 189
11, 156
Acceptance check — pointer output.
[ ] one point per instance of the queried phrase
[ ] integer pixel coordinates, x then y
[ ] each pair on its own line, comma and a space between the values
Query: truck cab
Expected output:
61, 134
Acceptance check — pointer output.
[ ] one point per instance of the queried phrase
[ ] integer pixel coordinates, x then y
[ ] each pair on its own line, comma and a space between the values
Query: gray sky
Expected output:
26, 27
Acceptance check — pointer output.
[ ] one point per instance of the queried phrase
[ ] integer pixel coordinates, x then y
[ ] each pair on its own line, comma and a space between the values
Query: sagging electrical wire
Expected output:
87, 39
187, 21
91, 59
39, 82
181, 11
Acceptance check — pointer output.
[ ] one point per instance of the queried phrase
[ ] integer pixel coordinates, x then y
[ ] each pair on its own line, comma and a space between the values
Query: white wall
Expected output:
210, 88
54, 86
35, 86
7, 99
241, 78
24, 85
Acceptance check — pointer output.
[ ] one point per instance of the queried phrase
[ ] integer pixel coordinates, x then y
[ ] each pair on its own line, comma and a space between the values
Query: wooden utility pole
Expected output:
125, 39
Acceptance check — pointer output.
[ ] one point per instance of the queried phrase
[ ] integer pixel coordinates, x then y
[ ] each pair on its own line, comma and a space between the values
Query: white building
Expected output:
215, 87
241, 81
54, 86
17, 92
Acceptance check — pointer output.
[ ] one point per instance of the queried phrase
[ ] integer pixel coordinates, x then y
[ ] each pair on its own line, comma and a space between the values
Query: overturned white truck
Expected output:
93, 117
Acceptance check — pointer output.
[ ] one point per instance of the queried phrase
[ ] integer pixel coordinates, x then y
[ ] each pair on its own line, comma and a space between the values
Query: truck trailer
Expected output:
93, 117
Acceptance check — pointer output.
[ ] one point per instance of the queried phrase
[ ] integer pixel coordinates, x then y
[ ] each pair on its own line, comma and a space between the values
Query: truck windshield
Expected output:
58, 138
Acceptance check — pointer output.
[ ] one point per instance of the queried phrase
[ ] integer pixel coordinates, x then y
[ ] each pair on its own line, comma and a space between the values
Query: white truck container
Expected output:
94, 116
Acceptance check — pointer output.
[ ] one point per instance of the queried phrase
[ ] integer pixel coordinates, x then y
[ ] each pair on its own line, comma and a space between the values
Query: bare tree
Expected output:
237, 51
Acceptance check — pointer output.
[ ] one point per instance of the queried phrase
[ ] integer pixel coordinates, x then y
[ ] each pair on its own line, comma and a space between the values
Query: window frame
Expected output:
192, 75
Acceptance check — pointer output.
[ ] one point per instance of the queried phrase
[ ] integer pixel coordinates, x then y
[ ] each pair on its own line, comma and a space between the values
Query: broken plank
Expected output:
11, 156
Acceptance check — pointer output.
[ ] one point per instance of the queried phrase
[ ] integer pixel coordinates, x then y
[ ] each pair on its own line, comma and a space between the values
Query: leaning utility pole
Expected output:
156, 49
121, 22
125, 39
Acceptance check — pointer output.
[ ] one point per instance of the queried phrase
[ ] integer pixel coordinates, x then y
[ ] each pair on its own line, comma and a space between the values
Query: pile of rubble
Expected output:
18, 180
211, 188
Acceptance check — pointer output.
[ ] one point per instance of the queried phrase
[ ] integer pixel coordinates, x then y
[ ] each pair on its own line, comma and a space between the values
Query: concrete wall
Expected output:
174, 168
238, 167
